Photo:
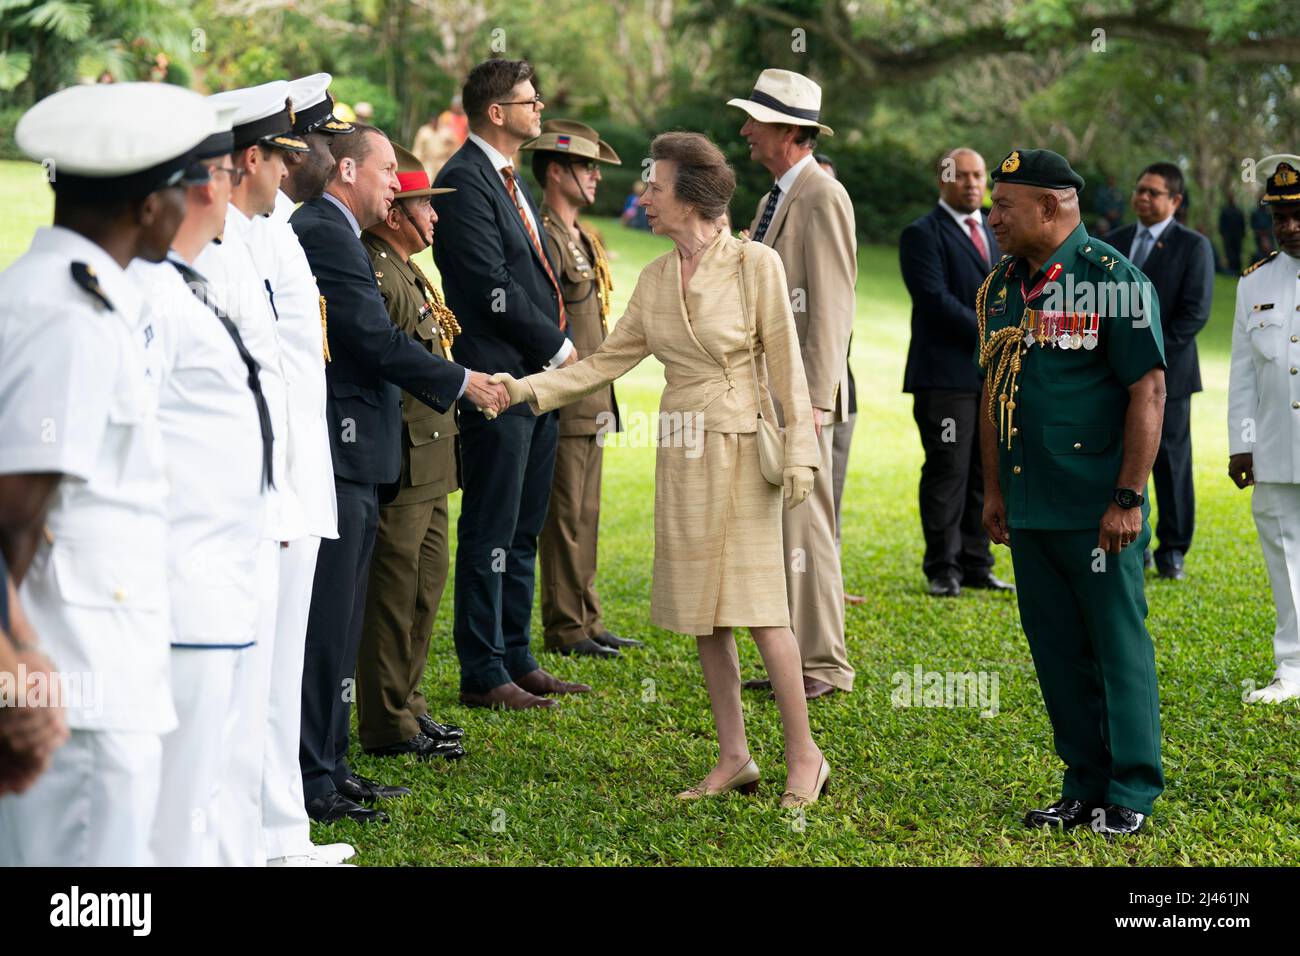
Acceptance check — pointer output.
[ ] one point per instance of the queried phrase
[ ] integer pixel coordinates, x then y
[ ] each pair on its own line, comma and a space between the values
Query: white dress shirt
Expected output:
1264, 381
500, 162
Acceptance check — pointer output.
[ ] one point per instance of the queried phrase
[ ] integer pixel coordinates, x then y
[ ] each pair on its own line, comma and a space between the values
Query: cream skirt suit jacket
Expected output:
718, 552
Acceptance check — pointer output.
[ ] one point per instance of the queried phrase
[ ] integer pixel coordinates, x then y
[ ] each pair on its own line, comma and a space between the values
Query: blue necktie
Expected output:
768, 212
1142, 248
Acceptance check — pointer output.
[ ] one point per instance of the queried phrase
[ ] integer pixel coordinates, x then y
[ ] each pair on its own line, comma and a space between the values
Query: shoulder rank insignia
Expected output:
85, 277
1268, 258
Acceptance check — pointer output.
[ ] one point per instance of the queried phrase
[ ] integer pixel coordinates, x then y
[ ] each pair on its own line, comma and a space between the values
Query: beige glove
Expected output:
519, 391
798, 484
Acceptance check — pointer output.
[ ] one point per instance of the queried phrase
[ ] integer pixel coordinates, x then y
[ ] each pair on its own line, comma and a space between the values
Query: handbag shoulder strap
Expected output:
749, 341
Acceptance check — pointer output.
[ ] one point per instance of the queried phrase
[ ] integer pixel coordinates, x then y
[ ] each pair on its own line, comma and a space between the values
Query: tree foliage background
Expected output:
1112, 84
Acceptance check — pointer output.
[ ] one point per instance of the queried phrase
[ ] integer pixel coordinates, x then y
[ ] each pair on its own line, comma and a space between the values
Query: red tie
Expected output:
977, 237
508, 173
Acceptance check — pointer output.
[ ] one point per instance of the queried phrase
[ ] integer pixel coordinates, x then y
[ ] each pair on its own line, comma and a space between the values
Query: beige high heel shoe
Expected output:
745, 780
791, 799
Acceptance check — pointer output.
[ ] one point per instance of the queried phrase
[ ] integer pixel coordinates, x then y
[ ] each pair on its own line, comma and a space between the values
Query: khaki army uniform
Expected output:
411, 556
567, 546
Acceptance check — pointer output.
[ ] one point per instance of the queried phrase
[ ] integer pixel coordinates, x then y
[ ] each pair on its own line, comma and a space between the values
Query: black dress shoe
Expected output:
334, 807
986, 580
609, 639
588, 648
426, 748
1170, 566
1115, 820
944, 586
431, 728
1064, 814
361, 789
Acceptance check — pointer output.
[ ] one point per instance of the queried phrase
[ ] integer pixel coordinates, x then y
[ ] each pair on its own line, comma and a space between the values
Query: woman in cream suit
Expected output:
718, 552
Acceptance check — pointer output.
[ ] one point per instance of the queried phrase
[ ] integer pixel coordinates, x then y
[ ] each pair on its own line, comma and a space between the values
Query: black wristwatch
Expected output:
1128, 498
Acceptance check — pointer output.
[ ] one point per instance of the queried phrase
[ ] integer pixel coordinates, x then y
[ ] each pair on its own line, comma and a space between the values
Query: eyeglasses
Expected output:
589, 165
235, 174
1148, 191
535, 102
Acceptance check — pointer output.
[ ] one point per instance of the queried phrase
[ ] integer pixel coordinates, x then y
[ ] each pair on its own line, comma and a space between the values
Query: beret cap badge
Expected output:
1012, 162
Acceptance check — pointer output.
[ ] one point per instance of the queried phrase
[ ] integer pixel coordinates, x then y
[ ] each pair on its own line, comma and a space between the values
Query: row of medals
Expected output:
1048, 331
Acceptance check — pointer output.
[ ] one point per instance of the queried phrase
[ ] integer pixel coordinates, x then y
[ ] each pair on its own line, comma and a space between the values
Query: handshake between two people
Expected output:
493, 394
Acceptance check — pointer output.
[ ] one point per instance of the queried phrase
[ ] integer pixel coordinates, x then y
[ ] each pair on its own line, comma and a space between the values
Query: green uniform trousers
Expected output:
407, 575
1095, 662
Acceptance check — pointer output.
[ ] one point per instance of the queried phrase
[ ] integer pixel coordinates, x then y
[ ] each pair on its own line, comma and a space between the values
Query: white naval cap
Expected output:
313, 106
263, 115
221, 141
118, 139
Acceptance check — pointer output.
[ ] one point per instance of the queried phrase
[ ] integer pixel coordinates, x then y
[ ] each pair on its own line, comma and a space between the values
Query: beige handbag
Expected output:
771, 443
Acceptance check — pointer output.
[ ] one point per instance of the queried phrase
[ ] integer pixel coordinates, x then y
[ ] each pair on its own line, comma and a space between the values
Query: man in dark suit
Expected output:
944, 256
502, 288
370, 361
1180, 264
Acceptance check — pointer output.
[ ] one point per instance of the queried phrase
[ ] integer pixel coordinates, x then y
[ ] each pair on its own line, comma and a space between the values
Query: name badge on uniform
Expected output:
1263, 308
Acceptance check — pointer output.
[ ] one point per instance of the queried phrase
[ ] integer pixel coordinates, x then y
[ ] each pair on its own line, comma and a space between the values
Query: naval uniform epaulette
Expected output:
85, 277
1251, 268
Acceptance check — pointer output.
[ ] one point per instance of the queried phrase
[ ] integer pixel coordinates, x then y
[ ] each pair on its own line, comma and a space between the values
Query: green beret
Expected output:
1037, 167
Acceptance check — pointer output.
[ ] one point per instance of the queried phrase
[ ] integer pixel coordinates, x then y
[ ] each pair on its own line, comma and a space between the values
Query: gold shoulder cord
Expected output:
604, 277
447, 324
1004, 345
324, 331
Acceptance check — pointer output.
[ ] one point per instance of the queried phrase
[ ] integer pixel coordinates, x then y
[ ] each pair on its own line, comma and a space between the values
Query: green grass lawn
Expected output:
594, 782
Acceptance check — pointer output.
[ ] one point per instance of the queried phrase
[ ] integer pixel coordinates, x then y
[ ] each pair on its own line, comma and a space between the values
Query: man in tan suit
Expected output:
808, 219
409, 567
566, 163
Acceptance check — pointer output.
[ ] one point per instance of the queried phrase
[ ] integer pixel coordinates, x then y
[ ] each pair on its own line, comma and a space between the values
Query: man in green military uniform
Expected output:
566, 162
409, 568
1073, 399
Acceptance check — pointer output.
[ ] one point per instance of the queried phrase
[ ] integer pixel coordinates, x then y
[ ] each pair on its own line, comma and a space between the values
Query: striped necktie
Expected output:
508, 174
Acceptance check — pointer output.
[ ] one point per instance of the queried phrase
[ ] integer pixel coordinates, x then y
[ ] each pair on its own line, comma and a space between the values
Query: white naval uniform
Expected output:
79, 389
215, 515
243, 292
281, 261
1264, 421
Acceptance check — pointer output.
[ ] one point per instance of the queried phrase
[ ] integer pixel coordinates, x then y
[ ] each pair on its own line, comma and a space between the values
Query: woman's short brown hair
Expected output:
704, 180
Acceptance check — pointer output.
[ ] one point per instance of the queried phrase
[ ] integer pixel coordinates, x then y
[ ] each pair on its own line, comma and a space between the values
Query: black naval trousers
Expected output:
507, 465
338, 604
952, 483
1172, 476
